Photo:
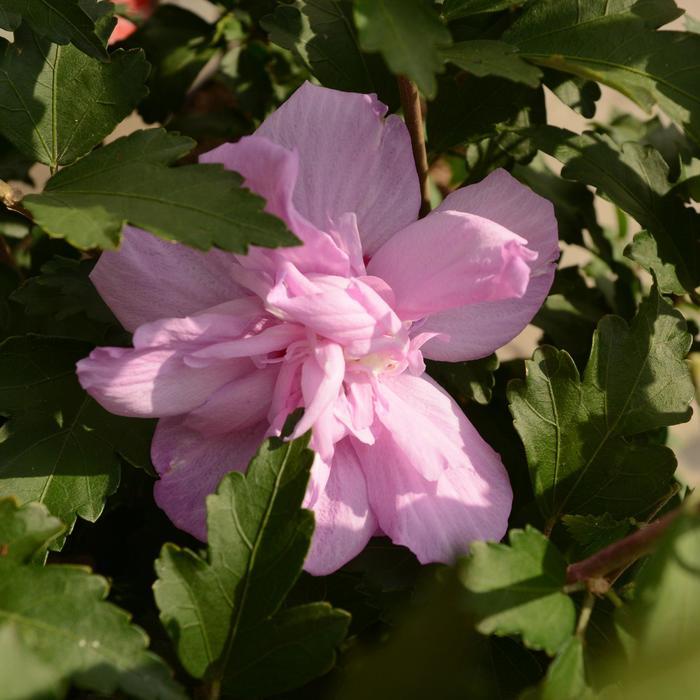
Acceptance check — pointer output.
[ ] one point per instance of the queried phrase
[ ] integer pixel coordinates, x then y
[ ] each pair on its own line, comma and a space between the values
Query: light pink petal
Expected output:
148, 279
228, 320
450, 259
150, 382
344, 521
271, 171
191, 467
471, 498
350, 160
321, 378
237, 405
479, 329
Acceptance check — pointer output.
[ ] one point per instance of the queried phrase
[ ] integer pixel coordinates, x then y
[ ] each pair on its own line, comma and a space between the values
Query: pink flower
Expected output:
138, 9
226, 346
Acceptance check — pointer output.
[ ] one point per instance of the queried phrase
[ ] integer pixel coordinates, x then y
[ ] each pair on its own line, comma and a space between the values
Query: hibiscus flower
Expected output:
227, 346
137, 9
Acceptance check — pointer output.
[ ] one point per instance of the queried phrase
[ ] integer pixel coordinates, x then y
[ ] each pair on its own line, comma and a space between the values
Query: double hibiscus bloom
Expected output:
227, 346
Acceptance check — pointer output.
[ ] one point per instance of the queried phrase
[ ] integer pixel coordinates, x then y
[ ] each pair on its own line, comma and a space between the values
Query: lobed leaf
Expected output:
129, 181
57, 104
518, 589
26, 531
578, 435
223, 612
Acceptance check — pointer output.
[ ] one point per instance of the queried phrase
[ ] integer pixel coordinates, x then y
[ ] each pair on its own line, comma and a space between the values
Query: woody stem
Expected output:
410, 103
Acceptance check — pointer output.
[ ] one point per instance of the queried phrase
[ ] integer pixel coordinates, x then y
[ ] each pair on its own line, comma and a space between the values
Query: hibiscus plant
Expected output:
343, 345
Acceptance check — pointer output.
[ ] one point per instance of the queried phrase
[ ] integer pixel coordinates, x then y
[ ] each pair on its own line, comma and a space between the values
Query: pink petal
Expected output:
237, 405
350, 160
479, 329
450, 259
344, 521
148, 279
191, 467
471, 498
149, 382
271, 171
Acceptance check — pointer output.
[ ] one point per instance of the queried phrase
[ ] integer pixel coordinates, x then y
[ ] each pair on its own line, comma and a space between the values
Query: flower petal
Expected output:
479, 329
344, 521
191, 468
148, 279
450, 259
149, 382
350, 160
436, 520
239, 404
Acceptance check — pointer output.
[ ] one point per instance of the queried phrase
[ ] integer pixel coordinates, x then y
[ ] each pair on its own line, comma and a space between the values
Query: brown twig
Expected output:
621, 553
410, 103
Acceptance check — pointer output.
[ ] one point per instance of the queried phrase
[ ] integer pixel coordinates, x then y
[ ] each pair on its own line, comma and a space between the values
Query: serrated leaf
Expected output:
466, 381
594, 532
60, 447
322, 35
635, 178
583, 37
518, 589
129, 181
409, 34
456, 9
223, 611
487, 57
578, 434
59, 613
57, 104
60, 21
26, 531
178, 44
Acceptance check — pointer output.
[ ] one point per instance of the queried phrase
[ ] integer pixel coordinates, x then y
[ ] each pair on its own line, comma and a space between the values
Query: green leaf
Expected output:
57, 104
579, 435
23, 674
60, 615
456, 9
667, 603
635, 178
455, 117
178, 44
26, 531
518, 589
487, 57
60, 21
322, 36
62, 301
409, 34
566, 676
466, 381
60, 447
223, 611
129, 181
594, 532
583, 37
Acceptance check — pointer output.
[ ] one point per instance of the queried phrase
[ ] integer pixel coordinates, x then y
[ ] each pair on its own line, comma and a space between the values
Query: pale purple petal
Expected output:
450, 259
241, 403
148, 279
152, 382
344, 521
350, 160
191, 467
436, 520
479, 329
